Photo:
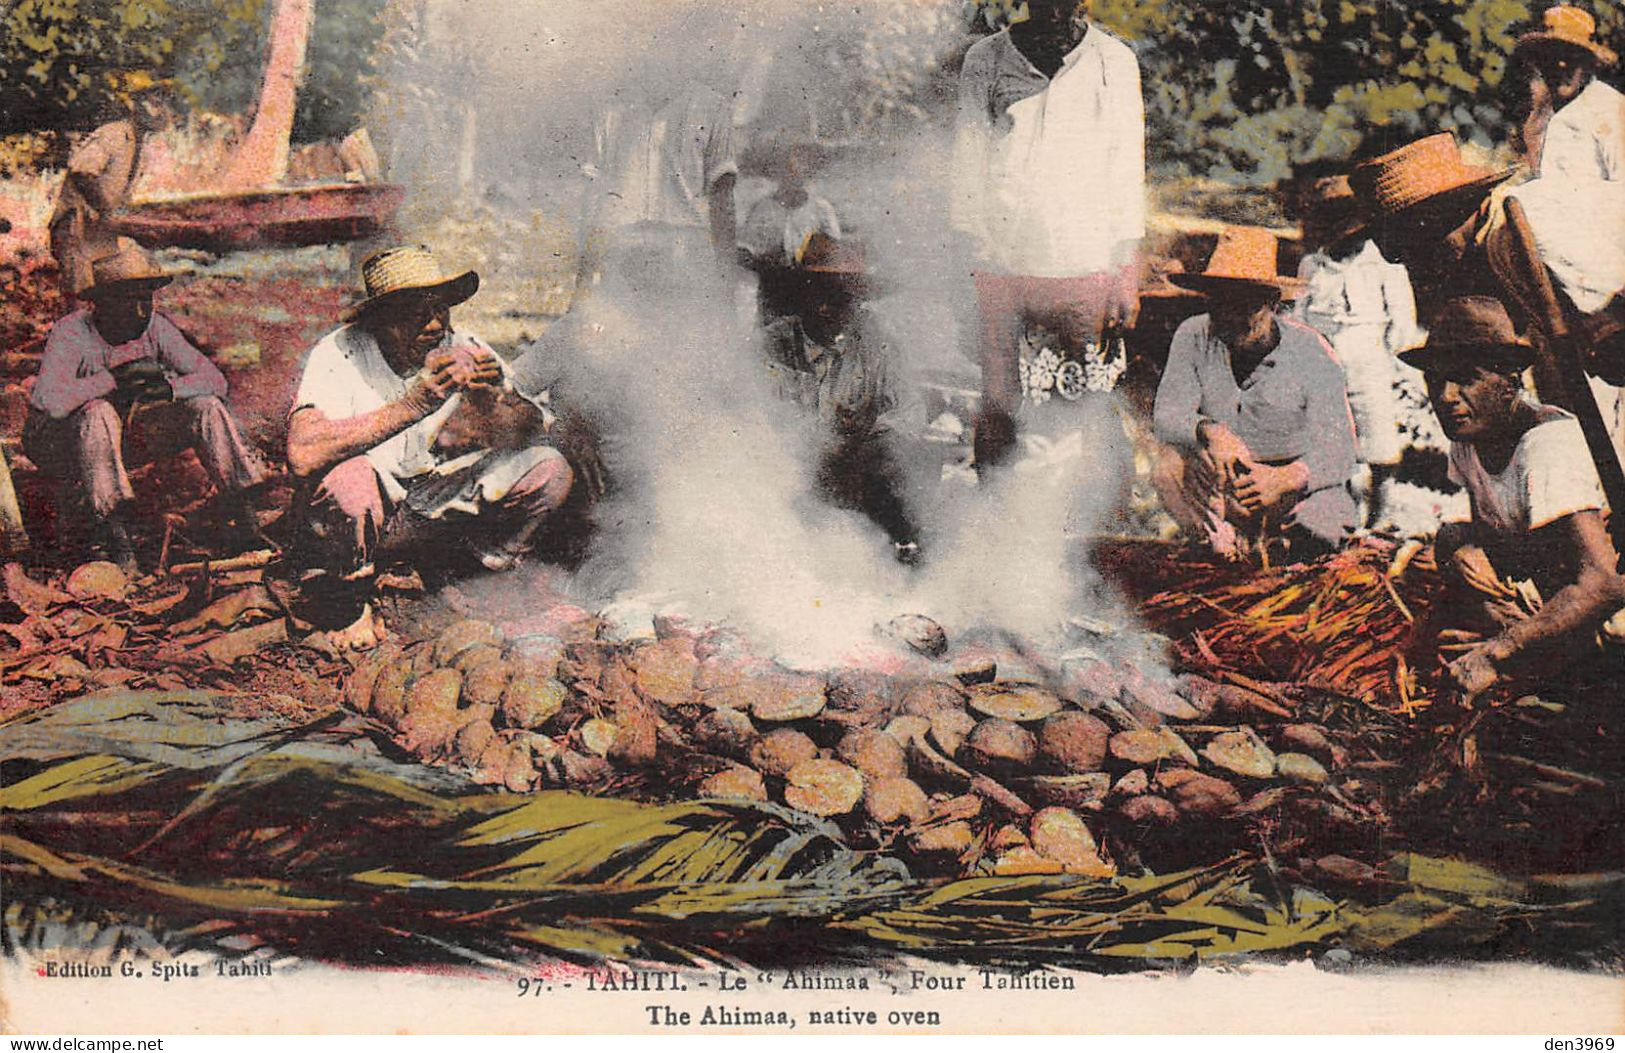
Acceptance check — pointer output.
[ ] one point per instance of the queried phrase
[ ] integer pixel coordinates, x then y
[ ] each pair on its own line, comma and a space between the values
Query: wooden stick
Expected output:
1559, 362
246, 561
1550, 771
13, 535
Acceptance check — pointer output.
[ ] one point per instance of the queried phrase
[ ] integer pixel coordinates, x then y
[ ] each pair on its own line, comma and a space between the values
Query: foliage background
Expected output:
1235, 88
64, 63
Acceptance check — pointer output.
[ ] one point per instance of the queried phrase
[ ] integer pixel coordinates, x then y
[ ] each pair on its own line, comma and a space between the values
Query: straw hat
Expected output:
1423, 179
1471, 330
128, 271
395, 274
1245, 257
1570, 28
823, 254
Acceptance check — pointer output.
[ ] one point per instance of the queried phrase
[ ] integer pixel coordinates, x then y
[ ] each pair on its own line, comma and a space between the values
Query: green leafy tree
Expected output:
65, 63
1240, 89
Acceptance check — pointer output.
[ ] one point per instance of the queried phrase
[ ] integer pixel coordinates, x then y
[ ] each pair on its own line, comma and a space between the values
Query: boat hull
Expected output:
281, 218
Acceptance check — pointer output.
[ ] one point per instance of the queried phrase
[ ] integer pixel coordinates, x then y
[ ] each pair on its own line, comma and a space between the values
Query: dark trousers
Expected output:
86, 449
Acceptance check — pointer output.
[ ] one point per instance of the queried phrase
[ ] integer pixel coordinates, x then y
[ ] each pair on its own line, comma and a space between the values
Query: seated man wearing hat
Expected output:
1253, 407
1427, 209
119, 363
1535, 564
399, 419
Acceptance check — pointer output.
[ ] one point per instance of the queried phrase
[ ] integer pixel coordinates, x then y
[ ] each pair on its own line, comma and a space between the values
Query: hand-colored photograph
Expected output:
890, 516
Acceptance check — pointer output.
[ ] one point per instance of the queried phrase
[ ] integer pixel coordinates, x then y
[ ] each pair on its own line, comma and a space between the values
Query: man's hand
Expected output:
1601, 343
1123, 306
143, 380
575, 437
1475, 672
448, 370
485, 369
1260, 486
1223, 455
1473, 565
490, 418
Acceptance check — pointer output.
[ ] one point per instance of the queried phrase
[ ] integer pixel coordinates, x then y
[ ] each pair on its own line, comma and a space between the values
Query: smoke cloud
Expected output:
715, 511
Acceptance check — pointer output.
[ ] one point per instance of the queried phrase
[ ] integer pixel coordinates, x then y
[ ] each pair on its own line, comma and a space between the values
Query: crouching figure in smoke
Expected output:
828, 353
1533, 573
406, 431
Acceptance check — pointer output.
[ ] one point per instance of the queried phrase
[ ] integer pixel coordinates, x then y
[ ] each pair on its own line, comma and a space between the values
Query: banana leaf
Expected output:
142, 819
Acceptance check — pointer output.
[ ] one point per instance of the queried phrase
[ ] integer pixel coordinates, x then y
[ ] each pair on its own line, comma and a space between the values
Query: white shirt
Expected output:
1049, 174
1364, 289
1550, 475
346, 375
1576, 206
1586, 138
658, 165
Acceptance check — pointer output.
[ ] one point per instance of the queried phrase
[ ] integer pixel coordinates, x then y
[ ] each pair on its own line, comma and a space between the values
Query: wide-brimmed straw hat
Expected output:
399, 273
1568, 28
128, 271
1472, 330
1245, 257
1425, 179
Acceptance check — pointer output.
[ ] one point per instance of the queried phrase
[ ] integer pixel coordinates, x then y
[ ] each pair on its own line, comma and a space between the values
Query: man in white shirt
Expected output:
1574, 144
660, 183
1534, 565
1049, 192
397, 412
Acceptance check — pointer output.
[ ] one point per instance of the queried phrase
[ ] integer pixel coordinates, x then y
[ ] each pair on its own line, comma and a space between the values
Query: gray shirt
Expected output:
1293, 407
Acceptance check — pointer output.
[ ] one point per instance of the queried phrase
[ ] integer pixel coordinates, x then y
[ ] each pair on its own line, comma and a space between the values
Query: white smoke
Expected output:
715, 510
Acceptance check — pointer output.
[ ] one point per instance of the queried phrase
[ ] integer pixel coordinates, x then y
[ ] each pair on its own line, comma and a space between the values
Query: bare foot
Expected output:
363, 634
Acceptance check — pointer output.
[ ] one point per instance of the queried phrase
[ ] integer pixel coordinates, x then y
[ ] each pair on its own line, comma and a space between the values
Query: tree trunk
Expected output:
261, 159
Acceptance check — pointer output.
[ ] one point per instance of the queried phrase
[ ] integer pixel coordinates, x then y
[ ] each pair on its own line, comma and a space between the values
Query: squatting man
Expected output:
405, 433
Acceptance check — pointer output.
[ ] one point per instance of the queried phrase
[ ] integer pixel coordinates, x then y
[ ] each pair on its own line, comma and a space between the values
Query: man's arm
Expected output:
1597, 591
724, 223
317, 442
60, 389
1330, 456
1127, 178
191, 372
1176, 413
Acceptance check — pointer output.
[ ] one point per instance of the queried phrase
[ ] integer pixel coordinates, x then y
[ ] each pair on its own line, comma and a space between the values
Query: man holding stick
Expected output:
1433, 212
